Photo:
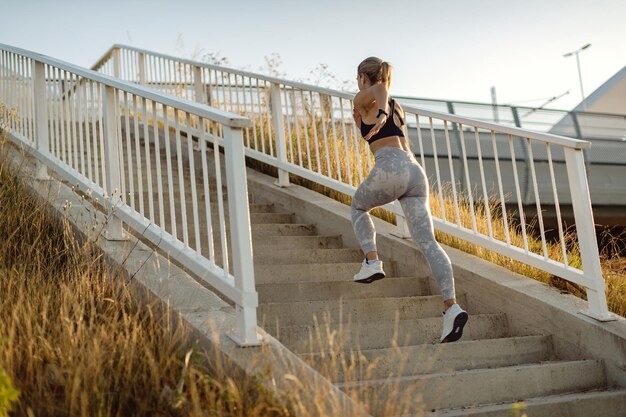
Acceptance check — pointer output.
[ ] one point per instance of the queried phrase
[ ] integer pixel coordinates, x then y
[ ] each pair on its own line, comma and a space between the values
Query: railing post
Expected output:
116, 63
245, 333
279, 129
579, 135
41, 120
142, 68
516, 118
583, 215
114, 230
199, 87
457, 136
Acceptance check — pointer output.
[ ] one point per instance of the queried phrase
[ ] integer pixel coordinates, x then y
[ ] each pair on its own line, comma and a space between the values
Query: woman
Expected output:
396, 175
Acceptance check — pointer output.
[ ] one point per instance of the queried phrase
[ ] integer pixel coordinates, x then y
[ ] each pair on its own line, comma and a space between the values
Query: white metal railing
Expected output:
132, 148
590, 126
308, 131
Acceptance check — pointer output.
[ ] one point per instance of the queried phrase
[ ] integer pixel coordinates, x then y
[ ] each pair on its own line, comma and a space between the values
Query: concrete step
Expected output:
200, 195
382, 334
433, 358
605, 403
311, 272
481, 386
297, 242
270, 256
375, 309
254, 207
272, 218
346, 289
261, 231
267, 255
255, 218
265, 246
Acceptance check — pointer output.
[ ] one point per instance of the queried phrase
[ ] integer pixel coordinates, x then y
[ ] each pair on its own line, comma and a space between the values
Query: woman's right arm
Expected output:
377, 92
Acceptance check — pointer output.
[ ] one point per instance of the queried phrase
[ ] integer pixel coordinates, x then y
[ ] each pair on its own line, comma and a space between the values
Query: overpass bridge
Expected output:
169, 170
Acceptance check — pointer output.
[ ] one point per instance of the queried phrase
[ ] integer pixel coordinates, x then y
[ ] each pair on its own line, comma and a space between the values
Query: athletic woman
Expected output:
396, 175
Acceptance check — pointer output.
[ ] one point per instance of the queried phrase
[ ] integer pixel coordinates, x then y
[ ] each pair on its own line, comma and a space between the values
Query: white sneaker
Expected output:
454, 320
370, 272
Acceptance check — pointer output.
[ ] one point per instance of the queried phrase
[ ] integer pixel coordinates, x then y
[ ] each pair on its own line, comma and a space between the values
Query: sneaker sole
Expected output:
457, 330
370, 279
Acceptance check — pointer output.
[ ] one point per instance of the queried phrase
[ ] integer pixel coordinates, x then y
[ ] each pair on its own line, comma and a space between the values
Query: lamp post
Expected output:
580, 78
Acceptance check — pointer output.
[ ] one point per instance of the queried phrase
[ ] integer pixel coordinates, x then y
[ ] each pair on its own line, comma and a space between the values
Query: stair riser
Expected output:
289, 314
334, 290
486, 386
303, 243
269, 256
310, 272
274, 258
297, 242
429, 359
373, 335
259, 231
605, 404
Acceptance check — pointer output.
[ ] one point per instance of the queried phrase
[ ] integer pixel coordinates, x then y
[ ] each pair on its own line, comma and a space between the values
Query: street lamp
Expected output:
580, 78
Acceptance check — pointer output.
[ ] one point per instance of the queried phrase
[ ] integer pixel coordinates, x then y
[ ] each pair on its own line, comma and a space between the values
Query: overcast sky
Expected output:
454, 49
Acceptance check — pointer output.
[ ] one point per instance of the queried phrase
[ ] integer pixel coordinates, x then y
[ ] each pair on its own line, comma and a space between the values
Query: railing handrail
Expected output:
515, 131
223, 117
269, 78
543, 109
544, 137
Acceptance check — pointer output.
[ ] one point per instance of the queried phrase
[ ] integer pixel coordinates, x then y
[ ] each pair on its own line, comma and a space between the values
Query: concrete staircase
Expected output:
379, 342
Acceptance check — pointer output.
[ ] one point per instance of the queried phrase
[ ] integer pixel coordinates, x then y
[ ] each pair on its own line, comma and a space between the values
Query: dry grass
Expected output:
75, 342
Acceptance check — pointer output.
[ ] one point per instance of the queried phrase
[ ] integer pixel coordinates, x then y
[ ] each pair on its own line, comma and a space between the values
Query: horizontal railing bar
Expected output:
198, 109
515, 131
478, 104
507, 107
295, 84
333, 92
544, 137
538, 261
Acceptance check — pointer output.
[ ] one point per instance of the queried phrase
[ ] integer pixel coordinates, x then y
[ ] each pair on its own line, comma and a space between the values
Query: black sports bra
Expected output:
388, 129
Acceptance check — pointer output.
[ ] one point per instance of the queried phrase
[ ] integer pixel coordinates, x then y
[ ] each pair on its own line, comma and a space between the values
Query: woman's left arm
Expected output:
366, 96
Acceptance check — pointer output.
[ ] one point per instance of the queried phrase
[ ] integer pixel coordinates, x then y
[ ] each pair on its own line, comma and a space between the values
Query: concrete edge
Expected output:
155, 279
532, 307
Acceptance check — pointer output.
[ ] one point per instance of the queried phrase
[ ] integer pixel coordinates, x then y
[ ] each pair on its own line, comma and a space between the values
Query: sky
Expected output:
447, 49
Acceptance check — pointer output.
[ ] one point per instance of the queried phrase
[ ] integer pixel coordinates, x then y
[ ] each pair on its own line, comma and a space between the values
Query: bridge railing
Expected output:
308, 131
590, 126
132, 148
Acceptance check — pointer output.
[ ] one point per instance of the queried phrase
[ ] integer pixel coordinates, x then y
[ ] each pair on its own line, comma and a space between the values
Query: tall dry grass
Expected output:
75, 342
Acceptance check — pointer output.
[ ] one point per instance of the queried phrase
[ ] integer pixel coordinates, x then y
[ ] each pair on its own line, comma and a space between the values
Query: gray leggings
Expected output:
397, 175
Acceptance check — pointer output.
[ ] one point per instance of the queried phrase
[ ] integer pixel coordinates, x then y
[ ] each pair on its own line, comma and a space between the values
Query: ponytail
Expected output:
386, 73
